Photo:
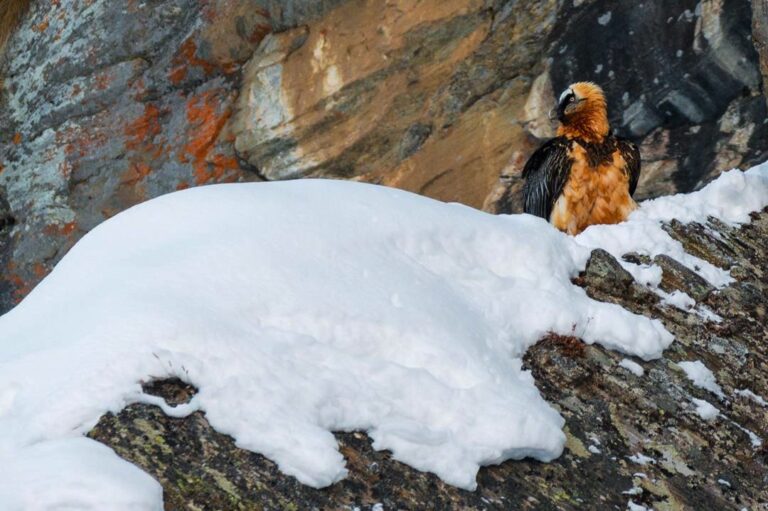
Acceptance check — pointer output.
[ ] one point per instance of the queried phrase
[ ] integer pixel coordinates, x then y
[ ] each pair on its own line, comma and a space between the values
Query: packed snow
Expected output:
78, 474
679, 299
705, 409
632, 367
751, 396
754, 439
701, 377
306, 307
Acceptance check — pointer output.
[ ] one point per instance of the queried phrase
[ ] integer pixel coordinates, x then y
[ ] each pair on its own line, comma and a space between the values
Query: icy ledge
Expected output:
306, 307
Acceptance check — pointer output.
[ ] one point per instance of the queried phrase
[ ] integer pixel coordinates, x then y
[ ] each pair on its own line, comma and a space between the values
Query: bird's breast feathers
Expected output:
596, 191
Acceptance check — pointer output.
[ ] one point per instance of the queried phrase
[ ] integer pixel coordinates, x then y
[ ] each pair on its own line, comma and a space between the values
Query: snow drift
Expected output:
301, 308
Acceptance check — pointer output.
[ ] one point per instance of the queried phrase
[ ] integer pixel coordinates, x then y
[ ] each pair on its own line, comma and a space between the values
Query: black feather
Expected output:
545, 174
548, 169
631, 155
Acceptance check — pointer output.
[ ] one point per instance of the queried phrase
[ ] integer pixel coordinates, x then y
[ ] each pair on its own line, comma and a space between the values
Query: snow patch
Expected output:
679, 299
754, 439
705, 410
604, 19
702, 377
751, 396
75, 473
632, 367
641, 459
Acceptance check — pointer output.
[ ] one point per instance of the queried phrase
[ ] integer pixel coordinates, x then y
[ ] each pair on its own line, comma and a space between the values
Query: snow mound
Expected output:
76, 474
301, 308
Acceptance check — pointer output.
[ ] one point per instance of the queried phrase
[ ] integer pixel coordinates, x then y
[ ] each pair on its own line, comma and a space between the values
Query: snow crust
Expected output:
301, 308
641, 459
752, 396
705, 409
78, 474
631, 506
702, 377
679, 299
632, 367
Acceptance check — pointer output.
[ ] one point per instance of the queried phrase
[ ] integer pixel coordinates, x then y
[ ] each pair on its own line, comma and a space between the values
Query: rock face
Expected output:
630, 437
104, 106
760, 37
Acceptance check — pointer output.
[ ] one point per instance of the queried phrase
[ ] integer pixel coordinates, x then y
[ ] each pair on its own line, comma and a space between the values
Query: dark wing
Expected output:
631, 155
545, 175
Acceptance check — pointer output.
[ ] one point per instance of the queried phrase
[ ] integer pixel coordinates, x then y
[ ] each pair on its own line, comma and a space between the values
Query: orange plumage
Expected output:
585, 175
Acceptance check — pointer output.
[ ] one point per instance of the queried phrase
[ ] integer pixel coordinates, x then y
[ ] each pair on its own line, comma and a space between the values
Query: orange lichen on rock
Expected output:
187, 56
78, 142
136, 172
65, 169
205, 126
39, 270
102, 81
17, 138
21, 287
60, 229
143, 129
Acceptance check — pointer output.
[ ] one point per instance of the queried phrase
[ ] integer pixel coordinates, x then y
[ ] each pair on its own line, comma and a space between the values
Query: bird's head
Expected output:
582, 112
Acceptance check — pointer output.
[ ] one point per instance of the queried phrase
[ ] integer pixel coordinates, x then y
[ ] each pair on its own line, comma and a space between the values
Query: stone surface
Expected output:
760, 37
107, 104
611, 415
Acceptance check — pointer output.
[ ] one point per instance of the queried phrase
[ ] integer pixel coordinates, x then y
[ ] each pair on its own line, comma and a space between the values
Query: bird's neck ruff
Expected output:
590, 125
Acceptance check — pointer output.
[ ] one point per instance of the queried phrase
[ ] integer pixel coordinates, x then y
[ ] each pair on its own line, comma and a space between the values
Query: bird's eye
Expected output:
571, 99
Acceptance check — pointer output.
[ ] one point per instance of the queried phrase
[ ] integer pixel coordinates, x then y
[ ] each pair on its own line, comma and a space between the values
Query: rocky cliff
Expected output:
106, 105
630, 437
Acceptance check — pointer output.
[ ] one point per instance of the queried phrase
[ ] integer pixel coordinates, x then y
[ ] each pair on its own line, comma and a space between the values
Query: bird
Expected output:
585, 175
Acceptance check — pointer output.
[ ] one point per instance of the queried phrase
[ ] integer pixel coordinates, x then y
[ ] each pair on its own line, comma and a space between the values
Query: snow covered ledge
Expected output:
307, 307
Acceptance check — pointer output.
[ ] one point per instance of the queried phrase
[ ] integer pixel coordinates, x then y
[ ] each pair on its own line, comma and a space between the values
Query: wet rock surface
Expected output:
630, 437
105, 105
